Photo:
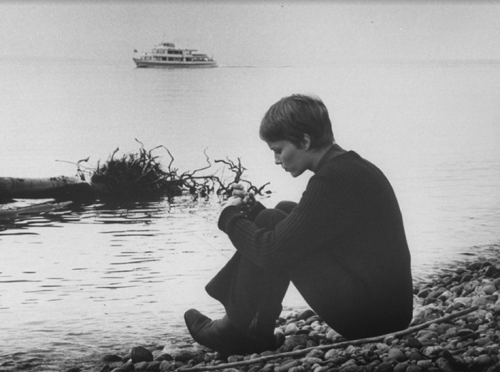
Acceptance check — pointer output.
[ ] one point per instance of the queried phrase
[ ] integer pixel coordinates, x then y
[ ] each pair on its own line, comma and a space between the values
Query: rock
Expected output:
127, 367
424, 293
141, 366
292, 315
453, 307
472, 326
280, 338
413, 343
255, 368
316, 353
165, 356
445, 296
489, 289
320, 369
294, 341
291, 329
451, 332
413, 368
484, 360
426, 334
311, 343
165, 366
431, 351
351, 350
154, 366
384, 367
444, 365
466, 301
396, 354
382, 347
481, 342
492, 271
401, 367
287, 365
466, 278
306, 314
351, 368
333, 354
311, 360
389, 340
185, 356
333, 335
111, 358
234, 358
492, 349
140, 354
424, 364
466, 333
480, 301
415, 355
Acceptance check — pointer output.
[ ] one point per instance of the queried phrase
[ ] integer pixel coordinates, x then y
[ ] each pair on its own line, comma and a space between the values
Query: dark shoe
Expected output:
220, 335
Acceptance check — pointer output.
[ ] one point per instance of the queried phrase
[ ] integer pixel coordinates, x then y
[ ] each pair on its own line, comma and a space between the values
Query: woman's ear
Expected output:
306, 142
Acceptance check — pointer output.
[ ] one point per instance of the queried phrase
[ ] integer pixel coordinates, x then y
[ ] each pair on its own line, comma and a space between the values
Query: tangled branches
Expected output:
140, 175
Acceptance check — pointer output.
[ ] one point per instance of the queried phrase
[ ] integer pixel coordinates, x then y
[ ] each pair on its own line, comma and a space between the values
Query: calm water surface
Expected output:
89, 279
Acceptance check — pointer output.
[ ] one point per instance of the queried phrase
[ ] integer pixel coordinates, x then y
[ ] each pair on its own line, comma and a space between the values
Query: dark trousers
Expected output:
251, 295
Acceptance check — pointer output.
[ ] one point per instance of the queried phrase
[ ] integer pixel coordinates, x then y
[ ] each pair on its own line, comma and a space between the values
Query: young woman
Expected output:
343, 245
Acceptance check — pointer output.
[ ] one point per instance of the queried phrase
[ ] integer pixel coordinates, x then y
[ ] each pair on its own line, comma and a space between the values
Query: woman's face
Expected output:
293, 159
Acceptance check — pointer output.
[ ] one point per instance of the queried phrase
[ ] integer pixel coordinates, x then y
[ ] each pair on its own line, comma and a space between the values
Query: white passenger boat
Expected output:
167, 55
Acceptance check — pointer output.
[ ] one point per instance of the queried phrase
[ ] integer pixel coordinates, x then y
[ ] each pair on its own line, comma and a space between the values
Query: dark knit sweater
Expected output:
344, 247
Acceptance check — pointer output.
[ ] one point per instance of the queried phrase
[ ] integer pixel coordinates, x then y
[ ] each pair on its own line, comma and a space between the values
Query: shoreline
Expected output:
470, 342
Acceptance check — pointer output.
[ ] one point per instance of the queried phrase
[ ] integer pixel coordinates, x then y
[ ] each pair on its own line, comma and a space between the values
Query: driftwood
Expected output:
337, 345
43, 188
128, 176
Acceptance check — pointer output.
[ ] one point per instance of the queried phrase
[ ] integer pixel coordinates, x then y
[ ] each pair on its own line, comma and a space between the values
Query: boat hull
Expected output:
140, 63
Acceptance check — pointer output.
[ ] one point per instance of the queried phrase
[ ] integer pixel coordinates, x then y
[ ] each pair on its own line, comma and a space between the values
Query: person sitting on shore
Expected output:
343, 245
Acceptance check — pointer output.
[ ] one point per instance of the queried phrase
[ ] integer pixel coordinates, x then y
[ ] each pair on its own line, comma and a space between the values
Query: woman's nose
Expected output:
277, 159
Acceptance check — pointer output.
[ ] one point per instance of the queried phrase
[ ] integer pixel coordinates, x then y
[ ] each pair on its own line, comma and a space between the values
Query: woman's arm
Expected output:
319, 217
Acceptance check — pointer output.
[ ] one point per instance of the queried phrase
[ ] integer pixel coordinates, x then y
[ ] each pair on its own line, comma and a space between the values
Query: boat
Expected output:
167, 55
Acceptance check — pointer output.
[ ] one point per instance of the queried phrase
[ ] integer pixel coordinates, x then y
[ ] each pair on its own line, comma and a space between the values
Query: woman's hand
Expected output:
234, 200
239, 191
241, 198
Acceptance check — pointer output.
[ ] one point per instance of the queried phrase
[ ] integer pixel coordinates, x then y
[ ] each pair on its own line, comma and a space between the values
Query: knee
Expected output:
286, 206
269, 218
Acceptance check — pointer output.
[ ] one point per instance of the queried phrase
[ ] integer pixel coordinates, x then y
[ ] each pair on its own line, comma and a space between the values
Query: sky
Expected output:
254, 32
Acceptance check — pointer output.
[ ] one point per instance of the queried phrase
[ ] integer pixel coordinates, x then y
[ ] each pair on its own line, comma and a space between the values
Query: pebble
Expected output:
396, 354
291, 329
140, 354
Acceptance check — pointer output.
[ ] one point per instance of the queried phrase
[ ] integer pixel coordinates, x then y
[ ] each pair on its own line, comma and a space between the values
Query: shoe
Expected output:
222, 336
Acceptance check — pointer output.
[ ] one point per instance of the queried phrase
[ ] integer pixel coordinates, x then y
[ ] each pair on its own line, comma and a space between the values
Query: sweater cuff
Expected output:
226, 215
254, 212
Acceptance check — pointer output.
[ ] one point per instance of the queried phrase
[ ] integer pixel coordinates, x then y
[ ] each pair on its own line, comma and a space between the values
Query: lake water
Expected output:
90, 279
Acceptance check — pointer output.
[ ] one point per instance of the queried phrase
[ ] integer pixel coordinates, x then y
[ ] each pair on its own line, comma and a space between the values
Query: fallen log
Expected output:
129, 177
61, 187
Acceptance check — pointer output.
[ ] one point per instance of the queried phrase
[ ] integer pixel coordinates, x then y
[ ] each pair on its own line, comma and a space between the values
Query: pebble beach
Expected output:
456, 327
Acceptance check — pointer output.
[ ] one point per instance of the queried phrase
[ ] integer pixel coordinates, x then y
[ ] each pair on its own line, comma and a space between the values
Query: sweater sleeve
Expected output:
320, 216
231, 210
